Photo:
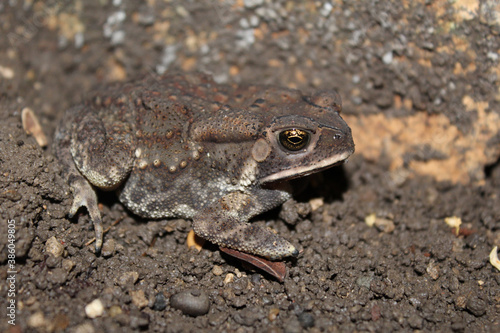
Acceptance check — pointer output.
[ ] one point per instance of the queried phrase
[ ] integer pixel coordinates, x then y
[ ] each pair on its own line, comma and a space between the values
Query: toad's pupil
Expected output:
295, 139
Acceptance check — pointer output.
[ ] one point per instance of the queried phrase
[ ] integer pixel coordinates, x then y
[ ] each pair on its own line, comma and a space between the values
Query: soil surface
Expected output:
377, 253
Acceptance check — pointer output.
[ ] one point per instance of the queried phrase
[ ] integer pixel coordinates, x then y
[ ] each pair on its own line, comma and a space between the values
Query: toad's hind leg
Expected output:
93, 153
225, 224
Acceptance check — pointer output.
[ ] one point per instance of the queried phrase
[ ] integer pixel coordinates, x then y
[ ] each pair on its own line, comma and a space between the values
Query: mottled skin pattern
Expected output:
184, 146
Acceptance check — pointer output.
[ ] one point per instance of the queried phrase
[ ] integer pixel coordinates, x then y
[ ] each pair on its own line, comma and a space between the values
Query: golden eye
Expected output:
294, 139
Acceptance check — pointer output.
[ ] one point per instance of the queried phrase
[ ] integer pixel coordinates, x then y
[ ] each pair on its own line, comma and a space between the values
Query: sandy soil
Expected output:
420, 84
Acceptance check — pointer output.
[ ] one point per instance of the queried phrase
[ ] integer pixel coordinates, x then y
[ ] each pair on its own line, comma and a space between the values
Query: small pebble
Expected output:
68, 265
217, 270
229, 278
108, 248
273, 314
138, 298
84, 328
387, 58
60, 322
94, 309
255, 278
37, 320
433, 270
252, 3
160, 302
306, 320
128, 278
316, 203
192, 302
54, 247
114, 311
7, 72
476, 306
460, 302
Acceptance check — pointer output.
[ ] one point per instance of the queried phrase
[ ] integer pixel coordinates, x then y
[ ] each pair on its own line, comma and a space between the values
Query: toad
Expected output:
181, 145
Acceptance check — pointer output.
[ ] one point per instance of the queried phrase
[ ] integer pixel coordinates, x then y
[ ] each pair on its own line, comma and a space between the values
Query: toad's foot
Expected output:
224, 223
227, 232
84, 195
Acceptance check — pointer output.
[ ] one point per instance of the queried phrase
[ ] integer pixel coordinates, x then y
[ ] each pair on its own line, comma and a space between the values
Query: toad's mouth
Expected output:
303, 171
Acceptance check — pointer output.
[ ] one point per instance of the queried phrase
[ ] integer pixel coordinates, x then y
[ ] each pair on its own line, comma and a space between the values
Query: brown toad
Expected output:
183, 146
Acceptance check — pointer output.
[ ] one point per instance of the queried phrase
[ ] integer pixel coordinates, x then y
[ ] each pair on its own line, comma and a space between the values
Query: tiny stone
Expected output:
7, 72
254, 21
85, 328
118, 37
67, 265
255, 278
108, 248
244, 23
433, 270
229, 278
79, 40
387, 58
460, 302
36, 320
217, 270
94, 309
253, 3
326, 9
115, 310
128, 278
138, 298
316, 203
492, 56
273, 314
54, 247
160, 302
60, 322
306, 320
476, 306
364, 281
192, 302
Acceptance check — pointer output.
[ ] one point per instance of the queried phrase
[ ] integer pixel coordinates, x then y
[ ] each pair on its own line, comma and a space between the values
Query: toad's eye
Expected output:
294, 139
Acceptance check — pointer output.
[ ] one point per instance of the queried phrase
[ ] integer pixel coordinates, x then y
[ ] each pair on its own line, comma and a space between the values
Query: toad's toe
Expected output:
85, 196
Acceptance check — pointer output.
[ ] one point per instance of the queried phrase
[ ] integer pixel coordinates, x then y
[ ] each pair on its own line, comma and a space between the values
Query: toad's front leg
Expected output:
93, 153
225, 223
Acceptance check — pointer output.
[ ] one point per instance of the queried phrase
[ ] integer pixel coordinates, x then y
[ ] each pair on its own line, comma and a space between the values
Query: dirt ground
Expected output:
420, 88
